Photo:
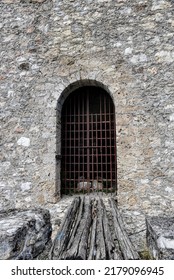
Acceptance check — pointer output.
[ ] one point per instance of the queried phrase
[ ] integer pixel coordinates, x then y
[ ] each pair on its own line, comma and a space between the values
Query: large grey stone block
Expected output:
24, 233
160, 237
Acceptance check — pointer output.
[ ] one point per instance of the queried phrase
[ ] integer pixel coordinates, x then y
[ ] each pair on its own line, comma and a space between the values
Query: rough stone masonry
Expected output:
49, 48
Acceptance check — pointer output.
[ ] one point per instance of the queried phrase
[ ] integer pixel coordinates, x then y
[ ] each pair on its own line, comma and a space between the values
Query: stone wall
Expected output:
50, 47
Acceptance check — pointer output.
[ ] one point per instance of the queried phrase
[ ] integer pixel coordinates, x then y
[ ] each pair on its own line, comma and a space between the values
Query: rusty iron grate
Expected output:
88, 141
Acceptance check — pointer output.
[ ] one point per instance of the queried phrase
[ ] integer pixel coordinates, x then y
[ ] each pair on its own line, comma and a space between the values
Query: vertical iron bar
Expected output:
65, 151
106, 161
92, 149
75, 133
96, 144
115, 150
70, 149
83, 138
88, 175
101, 144
110, 143
78, 149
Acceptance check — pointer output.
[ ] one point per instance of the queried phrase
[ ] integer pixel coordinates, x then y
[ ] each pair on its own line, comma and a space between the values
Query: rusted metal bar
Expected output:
101, 145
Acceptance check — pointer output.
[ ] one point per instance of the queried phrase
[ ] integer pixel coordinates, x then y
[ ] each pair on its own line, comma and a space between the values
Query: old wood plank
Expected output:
92, 237
127, 248
62, 238
78, 249
100, 241
111, 250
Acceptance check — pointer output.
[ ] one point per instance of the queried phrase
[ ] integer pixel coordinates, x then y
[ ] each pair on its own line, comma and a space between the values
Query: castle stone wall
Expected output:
48, 46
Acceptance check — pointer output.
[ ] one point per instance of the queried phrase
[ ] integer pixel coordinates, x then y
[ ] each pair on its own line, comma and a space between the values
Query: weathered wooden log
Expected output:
126, 247
101, 245
77, 222
111, 250
92, 237
100, 241
78, 248
62, 238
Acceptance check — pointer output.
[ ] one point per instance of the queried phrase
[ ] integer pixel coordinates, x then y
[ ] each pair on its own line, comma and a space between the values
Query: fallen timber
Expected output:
90, 232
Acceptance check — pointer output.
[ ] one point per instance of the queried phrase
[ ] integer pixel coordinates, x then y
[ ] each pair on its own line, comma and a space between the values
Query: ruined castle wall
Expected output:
124, 45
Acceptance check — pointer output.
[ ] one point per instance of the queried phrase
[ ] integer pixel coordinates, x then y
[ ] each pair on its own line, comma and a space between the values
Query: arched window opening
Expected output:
88, 141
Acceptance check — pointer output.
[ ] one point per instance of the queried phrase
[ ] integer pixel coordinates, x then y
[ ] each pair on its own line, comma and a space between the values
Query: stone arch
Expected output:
63, 96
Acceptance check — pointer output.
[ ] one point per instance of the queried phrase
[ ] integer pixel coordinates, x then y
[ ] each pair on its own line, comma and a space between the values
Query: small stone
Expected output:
126, 11
160, 5
146, 204
23, 141
144, 181
101, 1
9, 1
169, 190
165, 56
19, 129
128, 51
136, 213
97, 185
37, 1
26, 186
169, 144
30, 29
171, 117
83, 186
138, 58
